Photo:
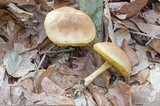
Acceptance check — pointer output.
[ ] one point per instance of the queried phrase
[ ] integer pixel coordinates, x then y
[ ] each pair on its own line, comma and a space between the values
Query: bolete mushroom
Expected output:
114, 56
67, 26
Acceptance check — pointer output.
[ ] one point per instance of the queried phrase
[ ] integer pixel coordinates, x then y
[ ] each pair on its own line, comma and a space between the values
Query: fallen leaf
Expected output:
100, 98
4, 2
154, 78
20, 48
153, 56
16, 65
80, 101
151, 16
44, 98
144, 98
130, 25
60, 3
2, 74
151, 30
50, 87
155, 44
5, 93
27, 84
64, 81
132, 55
106, 76
28, 5
120, 94
42, 73
79, 69
141, 77
40, 27
130, 9
116, 5
21, 14
121, 35
142, 58
45, 5
110, 25
24, 2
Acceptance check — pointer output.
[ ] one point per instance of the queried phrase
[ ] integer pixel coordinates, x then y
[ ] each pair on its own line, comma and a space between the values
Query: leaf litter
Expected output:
132, 25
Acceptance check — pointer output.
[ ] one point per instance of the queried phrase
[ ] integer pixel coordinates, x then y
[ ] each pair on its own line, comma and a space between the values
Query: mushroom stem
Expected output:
91, 77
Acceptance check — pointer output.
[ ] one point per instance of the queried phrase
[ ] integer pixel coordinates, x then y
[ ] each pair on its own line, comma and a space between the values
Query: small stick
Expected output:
59, 51
36, 71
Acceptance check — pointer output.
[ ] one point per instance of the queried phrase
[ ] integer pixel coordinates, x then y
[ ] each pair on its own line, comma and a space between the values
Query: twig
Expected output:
36, 71
59, 51
139, 33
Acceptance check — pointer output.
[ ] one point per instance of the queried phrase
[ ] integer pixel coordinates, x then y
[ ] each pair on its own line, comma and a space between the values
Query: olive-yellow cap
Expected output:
115, 56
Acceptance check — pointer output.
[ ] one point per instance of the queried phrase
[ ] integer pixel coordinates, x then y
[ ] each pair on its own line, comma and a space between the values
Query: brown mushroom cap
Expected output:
67, 26
115, 56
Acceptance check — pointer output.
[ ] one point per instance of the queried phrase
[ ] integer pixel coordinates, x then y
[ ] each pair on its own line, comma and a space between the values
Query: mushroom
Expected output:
114, 56
67, 26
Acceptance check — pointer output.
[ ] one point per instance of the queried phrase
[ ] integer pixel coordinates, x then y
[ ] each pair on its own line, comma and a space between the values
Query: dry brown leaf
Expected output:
60, 3
121, 35
82, 66
130, 9
4, 2
144, 98
141, 77
20, 48
120, 94
28, 5
154, 78
23, 2
155, 44
151, 16
9, 45
142, 58
41, 75
149, 92
100, 98
28, 84
130, 25
151, 30
153, 56
47, 99
78, 69
106, 76
2, 74
110, 25
116, 5
146, 95
21, 14
5, 93
64, 81
84, 100
40, 27
133, 57
50, 87
45, 5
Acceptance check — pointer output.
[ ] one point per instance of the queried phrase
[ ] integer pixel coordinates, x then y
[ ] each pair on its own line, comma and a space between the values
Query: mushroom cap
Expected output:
115, 56
67, 26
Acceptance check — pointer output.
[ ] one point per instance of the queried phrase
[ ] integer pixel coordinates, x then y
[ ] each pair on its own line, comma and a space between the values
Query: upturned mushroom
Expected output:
67, 26
114, 56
